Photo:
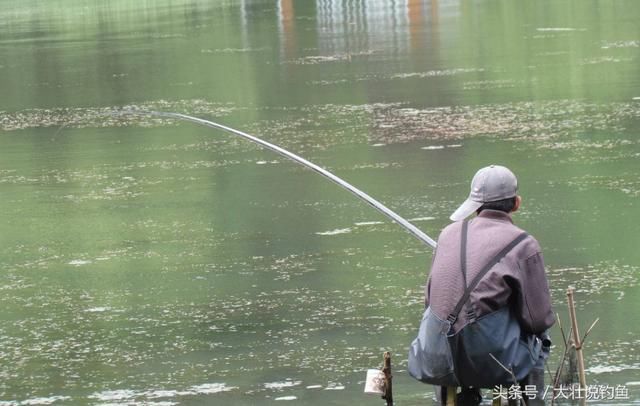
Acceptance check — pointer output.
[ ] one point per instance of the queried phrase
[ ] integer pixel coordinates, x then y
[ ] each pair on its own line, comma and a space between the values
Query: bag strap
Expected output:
465, 297
463, 264
463, 251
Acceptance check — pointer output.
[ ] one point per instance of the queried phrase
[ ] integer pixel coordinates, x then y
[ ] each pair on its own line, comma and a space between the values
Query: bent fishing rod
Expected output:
415, 231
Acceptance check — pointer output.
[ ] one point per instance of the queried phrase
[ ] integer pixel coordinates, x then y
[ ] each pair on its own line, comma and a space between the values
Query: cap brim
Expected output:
465, 210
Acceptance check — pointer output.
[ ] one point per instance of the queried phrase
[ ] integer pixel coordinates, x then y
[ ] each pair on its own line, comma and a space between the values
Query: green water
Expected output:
144, 261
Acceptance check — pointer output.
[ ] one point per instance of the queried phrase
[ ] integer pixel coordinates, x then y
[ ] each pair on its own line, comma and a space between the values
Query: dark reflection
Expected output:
287, 29
416, 21
343, 25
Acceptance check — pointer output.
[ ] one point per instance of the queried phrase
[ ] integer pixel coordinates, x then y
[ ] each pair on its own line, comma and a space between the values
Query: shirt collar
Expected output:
496, 215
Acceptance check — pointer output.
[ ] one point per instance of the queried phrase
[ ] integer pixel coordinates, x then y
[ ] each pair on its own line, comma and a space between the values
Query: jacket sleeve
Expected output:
427, 286
427, 291
532, 295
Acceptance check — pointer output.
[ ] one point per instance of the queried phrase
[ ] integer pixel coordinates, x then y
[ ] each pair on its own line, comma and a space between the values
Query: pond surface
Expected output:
146, 261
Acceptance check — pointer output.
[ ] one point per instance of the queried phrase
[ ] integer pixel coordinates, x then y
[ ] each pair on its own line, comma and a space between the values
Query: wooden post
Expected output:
386, 370
576, 340
451, 396
497, 396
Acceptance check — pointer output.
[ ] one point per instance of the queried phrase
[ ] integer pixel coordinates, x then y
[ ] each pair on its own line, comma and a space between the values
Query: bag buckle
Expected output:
471, 315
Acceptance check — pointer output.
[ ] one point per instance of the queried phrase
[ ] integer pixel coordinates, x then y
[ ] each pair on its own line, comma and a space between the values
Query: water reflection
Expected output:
416, 21
348, 26
287, 29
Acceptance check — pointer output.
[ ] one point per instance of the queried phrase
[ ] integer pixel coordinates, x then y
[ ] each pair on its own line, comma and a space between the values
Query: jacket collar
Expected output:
496, 215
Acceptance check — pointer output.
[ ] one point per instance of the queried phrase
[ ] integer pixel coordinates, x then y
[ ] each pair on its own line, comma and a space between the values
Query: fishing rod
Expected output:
415, 231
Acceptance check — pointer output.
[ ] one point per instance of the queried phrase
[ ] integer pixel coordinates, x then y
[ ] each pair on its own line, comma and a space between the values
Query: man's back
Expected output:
518, 280
487, 296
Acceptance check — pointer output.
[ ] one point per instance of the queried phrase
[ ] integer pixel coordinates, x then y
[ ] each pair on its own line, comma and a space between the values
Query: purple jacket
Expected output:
518, 280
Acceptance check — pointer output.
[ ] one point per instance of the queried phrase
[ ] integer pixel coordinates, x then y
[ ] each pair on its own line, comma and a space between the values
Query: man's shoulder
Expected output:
494, 230
529, 246
451, 229
499, 229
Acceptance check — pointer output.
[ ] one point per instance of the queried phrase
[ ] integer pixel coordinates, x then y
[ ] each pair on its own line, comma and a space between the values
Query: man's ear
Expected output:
517, 206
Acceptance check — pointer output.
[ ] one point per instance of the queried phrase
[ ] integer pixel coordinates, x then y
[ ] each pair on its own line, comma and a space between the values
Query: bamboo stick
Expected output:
497, 396
576, 339
386, 370
451, 396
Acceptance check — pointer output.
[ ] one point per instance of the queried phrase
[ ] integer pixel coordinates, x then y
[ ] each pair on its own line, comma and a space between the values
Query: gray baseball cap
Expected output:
489, 184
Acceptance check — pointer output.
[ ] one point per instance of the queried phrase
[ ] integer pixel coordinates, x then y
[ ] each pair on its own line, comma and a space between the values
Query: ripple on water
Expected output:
38, 401
129, 395
434, 73
335, 231
232, 50
279, 385
341, 57
626, 183
530, 121
559, 29
596, 279
614, 357
620, 44
541, 122
368, 223
335, 386
603, 59
97, 309
428, 218
491, 84
79, 262
113, 116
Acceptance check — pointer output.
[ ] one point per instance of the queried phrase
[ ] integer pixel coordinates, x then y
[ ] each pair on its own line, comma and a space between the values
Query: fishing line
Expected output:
59, 129
415, 231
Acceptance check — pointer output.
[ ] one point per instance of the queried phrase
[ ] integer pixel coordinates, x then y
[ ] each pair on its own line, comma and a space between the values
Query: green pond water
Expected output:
149, 262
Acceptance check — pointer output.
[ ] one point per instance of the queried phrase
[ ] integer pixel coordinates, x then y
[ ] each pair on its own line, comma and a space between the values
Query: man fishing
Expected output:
487, 299
498, 337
